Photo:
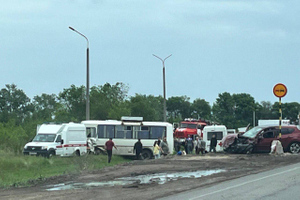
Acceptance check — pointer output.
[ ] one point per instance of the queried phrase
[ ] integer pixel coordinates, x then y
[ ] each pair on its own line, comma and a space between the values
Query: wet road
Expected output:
277, 184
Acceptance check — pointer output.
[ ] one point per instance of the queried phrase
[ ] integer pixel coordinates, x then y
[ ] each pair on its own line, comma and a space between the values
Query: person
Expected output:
164, 147
109, 146
176, 144
189, 144
138, 148
202, 146
197, 145
156, 150
213, 143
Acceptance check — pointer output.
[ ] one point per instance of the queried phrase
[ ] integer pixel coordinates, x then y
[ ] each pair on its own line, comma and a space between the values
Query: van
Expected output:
219, 130
58, 139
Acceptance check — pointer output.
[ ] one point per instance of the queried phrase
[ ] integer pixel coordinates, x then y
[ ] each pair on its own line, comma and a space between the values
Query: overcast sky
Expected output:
217, 46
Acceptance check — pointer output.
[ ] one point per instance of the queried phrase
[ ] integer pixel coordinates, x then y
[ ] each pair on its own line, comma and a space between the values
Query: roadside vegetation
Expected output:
19, 170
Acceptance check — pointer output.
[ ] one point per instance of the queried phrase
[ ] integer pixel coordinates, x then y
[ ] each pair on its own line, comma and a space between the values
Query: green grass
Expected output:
20, 170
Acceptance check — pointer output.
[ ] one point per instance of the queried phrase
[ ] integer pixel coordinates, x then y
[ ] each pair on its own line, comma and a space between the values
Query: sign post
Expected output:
280, 91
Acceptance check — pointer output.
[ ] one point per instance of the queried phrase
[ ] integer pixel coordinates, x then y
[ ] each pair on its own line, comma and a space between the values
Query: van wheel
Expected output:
51, 154
77, 153
294, 147
249, 150
146, 154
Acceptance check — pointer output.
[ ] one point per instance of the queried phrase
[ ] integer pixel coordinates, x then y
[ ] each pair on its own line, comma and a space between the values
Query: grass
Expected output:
20, 170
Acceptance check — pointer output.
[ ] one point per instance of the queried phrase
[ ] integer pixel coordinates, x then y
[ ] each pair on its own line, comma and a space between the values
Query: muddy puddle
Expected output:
160, 178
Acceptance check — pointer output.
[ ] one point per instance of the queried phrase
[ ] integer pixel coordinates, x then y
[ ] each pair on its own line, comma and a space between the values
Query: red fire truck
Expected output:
191, 127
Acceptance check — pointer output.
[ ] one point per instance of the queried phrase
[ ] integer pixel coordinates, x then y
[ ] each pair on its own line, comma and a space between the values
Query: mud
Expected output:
109, 182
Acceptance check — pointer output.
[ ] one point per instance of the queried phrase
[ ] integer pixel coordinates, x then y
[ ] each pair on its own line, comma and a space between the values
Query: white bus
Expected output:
125, 134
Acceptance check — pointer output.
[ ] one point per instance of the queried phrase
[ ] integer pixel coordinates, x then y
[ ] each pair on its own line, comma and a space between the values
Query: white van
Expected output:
219, 130
58, 139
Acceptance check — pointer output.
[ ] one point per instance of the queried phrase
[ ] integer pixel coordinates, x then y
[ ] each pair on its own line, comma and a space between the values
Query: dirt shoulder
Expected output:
234, 166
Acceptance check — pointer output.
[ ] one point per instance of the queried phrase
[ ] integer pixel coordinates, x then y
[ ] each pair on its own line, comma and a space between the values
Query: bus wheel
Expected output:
146, 154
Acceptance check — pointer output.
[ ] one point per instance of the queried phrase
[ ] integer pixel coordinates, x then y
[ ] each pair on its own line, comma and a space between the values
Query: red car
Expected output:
259, 139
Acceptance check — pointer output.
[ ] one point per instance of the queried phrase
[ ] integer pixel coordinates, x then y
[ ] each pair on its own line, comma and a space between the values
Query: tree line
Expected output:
19, 114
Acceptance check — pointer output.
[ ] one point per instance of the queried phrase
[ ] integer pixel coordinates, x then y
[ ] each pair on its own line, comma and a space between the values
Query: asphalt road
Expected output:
277, 184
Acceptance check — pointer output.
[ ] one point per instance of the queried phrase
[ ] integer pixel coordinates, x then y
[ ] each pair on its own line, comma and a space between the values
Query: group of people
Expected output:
199, 145
159, 148
162, 148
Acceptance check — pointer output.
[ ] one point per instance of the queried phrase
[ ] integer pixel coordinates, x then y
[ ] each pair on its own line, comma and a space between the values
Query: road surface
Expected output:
276, 184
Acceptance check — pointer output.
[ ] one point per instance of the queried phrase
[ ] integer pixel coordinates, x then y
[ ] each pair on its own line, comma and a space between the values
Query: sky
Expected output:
216, 45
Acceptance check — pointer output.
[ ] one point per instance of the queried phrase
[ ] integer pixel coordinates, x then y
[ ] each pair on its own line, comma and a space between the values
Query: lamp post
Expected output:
164, 84
87, 75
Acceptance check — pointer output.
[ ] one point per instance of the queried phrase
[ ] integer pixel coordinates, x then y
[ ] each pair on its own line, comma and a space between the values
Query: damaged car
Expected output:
259, 139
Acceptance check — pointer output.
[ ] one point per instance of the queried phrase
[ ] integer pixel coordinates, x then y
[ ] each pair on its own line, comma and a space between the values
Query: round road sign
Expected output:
279, 90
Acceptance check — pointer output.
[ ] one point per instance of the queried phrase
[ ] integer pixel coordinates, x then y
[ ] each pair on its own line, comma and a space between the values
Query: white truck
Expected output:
58, 139
219, 131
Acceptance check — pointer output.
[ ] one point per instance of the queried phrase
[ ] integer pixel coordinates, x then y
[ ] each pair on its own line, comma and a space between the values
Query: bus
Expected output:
125, 134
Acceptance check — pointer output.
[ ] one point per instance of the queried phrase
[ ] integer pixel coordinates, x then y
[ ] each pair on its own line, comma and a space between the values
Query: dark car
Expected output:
259, 139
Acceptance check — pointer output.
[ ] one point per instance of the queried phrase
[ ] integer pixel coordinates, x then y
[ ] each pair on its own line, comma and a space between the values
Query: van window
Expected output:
58, 139
219, 135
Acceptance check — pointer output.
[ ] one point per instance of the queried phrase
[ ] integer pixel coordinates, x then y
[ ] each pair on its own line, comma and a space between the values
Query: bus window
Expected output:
120, 132
100, 131
106, 131
157, 132
110, 131
143, 134
128, 132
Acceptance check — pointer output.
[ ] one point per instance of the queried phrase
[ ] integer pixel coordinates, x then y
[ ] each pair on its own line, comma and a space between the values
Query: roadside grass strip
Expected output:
20, 170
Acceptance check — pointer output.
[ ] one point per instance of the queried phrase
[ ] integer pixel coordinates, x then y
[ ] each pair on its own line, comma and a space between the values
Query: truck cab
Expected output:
188, 127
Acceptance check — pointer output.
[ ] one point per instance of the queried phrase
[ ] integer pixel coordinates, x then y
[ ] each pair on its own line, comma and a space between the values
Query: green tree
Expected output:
148, 107
72, 104
14, 104
243, 109
109, 101
179, 107
44, 107
201, 108
223, 110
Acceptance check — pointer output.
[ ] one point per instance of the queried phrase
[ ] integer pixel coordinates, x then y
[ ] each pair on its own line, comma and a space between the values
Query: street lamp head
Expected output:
71, 28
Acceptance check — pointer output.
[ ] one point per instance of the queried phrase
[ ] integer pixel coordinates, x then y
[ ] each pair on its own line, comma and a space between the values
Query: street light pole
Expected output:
164, 84
87, 75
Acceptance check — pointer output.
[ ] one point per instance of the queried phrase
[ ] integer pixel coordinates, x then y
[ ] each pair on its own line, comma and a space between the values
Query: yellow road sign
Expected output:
279, 90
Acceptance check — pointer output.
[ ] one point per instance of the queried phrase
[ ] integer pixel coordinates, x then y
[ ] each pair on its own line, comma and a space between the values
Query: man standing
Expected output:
109, 146
213, 143
189, 144
138, 148
164, 147
197, 145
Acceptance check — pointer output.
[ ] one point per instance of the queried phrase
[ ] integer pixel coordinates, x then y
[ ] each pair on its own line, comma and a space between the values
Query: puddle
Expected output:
159, 178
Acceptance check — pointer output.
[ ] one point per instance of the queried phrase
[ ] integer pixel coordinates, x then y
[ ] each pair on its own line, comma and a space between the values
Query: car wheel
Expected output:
146, 154
294, 147
51, 154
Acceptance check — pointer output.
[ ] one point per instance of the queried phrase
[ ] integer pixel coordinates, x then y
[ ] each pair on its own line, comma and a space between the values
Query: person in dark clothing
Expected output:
176, 145
213, 143
109, 146
189, 144
138, 148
